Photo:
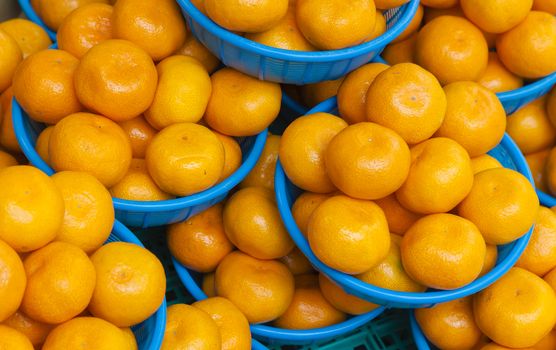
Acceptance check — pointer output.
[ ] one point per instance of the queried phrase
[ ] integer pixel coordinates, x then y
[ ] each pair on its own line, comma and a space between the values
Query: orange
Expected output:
252, 222
367, 161
200, 242
548, 342
185, 158
379, 28
297, 262
313, 94
490, 259
12, 281
41, 146
31, 208
407, 99
193, 48
545, 5
537, 162
53, 12
540, 255
241, 105
130, 284
11, 57
13, 340
550, 278
233, 326
30, 37
432, 12
309, 310
439, 178
484, 162
498, 78
261, 289
160, 31
550, 171
352, 94
8, 140
84, 28
90, 143
475, 118
302, 150
140, 134
441, 4
232, 155
341, 300
531, 128
453, 49
87, 333
183, 92
208, 286
188, 327
443, 251
44, 86
551, 106
60, 283
89, 214
502, 203
7, 160
399, 218
130, 336
528, 48
35, 331
303, 208
138, 185
117, 79
308, 280
249, 17
401, 52
335, 24
516, 311
349, 235
450, 325
262, 175
388, 4
496, 16
413, 26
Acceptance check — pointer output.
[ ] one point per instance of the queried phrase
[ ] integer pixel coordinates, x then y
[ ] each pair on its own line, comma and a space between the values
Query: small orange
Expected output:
208, 285
547, 343
439, 178
540, 255
117, 79
30, 37
490, 259
60, 283
241, 105
193, 48
7, 160
160, 31
551, 106
484, 162
498, 78
188, 327
441, 4
412, 27
304, 206
341, 300
130, 284
261, 289
262, 175
12, 282
450, 325
545, 5
249, 17
140, 134
496, 16
399, 218
8, 140
44, 86
308, 280
401, 52
531, 128
13, 340
550, 278
453, 49
349, 235
297, 262
90, 143
433, 12
41, 146
367, 161
550, 171
516, 311
537, 163
379, 28
302, 150
185, 158
407, 99
130, 336
388, 4
53, 12
313, 94
232, 155
138, 185
502, 203
11, 57
200, 242
35, 331
443, 251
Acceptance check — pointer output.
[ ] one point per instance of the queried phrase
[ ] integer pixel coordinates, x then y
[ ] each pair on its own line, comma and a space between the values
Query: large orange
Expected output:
249, 17
140, 134
540, 255
29, 36
138, 185
304, 206
12, 282
262, 175
53, 12
531, 128
35, 331
399, 218
11, 57
13, 340
341, 300
189, 327
496, 16
498, 78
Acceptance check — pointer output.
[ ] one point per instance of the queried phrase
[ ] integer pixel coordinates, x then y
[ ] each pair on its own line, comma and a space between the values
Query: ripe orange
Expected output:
11, 57
490, 259
412, 27
550, 171
7, 160
208, 286
399, 218
537, 164
388, 4
484, 162
496, 16
140, 134
441, 4
498, 78
540, 255
35, 331
138, 185
262, 175
531, 128
550, 278
297, 262
232, 155
313, 94
379, 28
401, 52
308, 280
13, 340
303, 208
13, 281
246, 17
8, 140
551, 106
545, 5
53, 12
41, 146
190, 327
130, 336
193, 48
341, 300
30, 37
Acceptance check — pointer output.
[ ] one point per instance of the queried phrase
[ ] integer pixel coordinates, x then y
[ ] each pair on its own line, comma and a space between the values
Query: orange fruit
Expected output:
334, 24
443, 251
531, 128
7, 160
190, 327
540, 255
11, 57
407, 99
8, 139
309, 310
475, 118
303, 208
31, 208
35, 331
545, 5
13, 340
41, 146
30, 37
413, 26
388, 4
401, 52
496, 16
367, 161
439, 178
379, 28
261, 289
546, 343
140, 134
44, 86
490, 259
200, 242
433, 12
130, 336
484, 162
13, 281
308, 280
516, 311
90, 143
399, 218
297, 262
528, 48
551, 106
502, 203
183, 92
341, 300
537, 163
53, 12
60, 283
200, 5
352, 94
498, 78
241, 105
130, 284
232, 155
246, 17
349, 235
193, 48
208, 286
161, 30
233, 326
87, 333
452, 49
262, 175
138, 185
185, 158
550, 171
450, 325
117, 79
550, 278
313, 94
253, 224
302, 150
441, 4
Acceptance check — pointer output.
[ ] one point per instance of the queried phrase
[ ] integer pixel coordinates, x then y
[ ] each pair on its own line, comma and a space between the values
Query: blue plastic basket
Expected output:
286, 66
418, 336
506, 152
149, 214
515, 99
32, 15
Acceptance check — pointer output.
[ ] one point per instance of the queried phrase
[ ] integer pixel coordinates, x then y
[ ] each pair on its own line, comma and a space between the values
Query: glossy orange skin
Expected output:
263, 173
30, 37
13, 281
188, 326
13, 339
550, 171
490, 259
484, 162
248, 17
140, 135
530, 127
498, 78
11, 57
441, 4
138, 185
297, 262
35, 331
192, 47
545, 5
399, 218
41, 146
537, 163
540, 255
496, 16
401, 52
551, 106
53, 12
341, 300
8, 140
304, 206
313, 94
232, 155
